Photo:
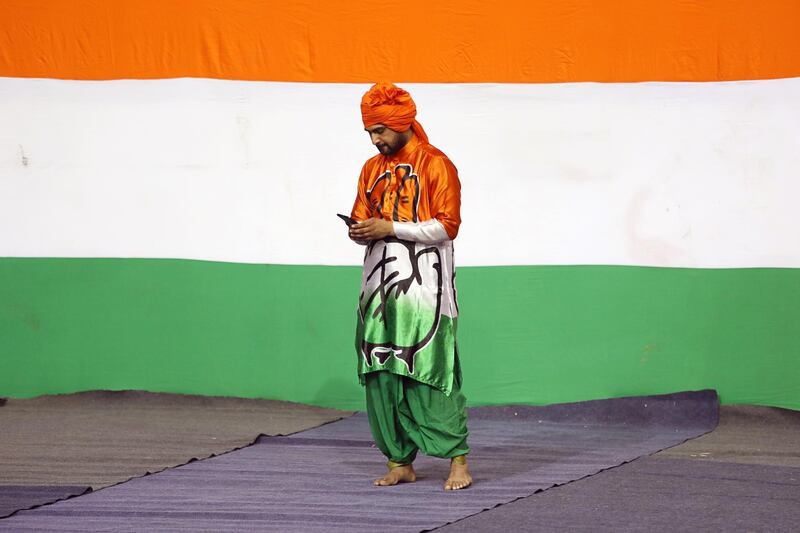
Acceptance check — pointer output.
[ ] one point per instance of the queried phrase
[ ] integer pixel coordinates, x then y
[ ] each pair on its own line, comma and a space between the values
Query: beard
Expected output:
387, 149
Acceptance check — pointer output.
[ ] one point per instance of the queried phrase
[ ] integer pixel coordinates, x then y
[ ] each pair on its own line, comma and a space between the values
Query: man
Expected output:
408, 212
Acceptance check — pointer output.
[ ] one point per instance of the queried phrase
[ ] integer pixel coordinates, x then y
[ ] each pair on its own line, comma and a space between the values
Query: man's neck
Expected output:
407, 148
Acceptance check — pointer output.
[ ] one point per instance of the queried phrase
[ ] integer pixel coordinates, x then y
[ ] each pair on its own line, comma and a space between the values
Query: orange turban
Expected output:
387, 104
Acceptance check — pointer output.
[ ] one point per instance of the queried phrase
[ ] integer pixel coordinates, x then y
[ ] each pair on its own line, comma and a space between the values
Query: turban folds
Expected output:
388, 104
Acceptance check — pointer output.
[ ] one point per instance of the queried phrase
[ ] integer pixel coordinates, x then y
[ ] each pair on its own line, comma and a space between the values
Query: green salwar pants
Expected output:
406, 415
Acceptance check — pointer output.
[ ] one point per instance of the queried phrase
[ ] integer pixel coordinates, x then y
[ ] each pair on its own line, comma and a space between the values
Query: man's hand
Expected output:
371, 229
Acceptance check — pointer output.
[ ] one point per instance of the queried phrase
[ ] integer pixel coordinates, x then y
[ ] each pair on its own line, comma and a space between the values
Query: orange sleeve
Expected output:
445, 194
361, 208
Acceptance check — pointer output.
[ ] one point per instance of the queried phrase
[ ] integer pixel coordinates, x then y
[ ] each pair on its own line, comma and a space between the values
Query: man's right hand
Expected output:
362, 242
371, 229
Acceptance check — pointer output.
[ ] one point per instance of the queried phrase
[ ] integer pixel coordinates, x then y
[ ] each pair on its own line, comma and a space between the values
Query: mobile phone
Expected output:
347, 220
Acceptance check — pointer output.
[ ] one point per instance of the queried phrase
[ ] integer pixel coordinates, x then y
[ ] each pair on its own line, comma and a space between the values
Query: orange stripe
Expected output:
405, 41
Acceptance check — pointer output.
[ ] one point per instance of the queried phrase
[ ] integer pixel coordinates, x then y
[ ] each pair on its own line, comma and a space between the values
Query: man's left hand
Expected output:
371, 229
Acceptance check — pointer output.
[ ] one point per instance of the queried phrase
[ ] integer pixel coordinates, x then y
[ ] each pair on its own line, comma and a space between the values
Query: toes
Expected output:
394, 478
456, 485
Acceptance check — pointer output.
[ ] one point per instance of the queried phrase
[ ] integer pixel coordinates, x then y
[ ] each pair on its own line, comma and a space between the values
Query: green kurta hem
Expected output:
407, 312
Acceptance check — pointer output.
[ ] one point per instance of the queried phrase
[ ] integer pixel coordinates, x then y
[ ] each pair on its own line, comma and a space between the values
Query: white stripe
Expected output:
667, 174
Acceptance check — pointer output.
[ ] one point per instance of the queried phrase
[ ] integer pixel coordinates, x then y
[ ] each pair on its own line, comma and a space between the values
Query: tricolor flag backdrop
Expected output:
170, 174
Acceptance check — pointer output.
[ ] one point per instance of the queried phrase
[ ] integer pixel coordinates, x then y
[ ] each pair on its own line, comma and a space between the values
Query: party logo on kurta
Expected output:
400, 305
396, 193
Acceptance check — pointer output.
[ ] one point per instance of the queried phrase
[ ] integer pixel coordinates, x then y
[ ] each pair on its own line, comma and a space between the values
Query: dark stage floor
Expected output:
589, 466
53, 447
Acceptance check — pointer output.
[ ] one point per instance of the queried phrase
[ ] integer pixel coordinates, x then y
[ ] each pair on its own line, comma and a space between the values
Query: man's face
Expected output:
386, 140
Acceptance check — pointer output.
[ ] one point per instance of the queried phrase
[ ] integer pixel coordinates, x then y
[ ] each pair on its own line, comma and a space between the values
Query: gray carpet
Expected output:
320, 479
53, 447
655, 494
743, 476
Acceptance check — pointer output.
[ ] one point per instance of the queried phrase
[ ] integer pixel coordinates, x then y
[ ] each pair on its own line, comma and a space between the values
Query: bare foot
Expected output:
398, 474
459, 477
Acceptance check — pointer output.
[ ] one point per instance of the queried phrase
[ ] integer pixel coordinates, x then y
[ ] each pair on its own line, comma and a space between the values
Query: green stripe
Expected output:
526, 334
